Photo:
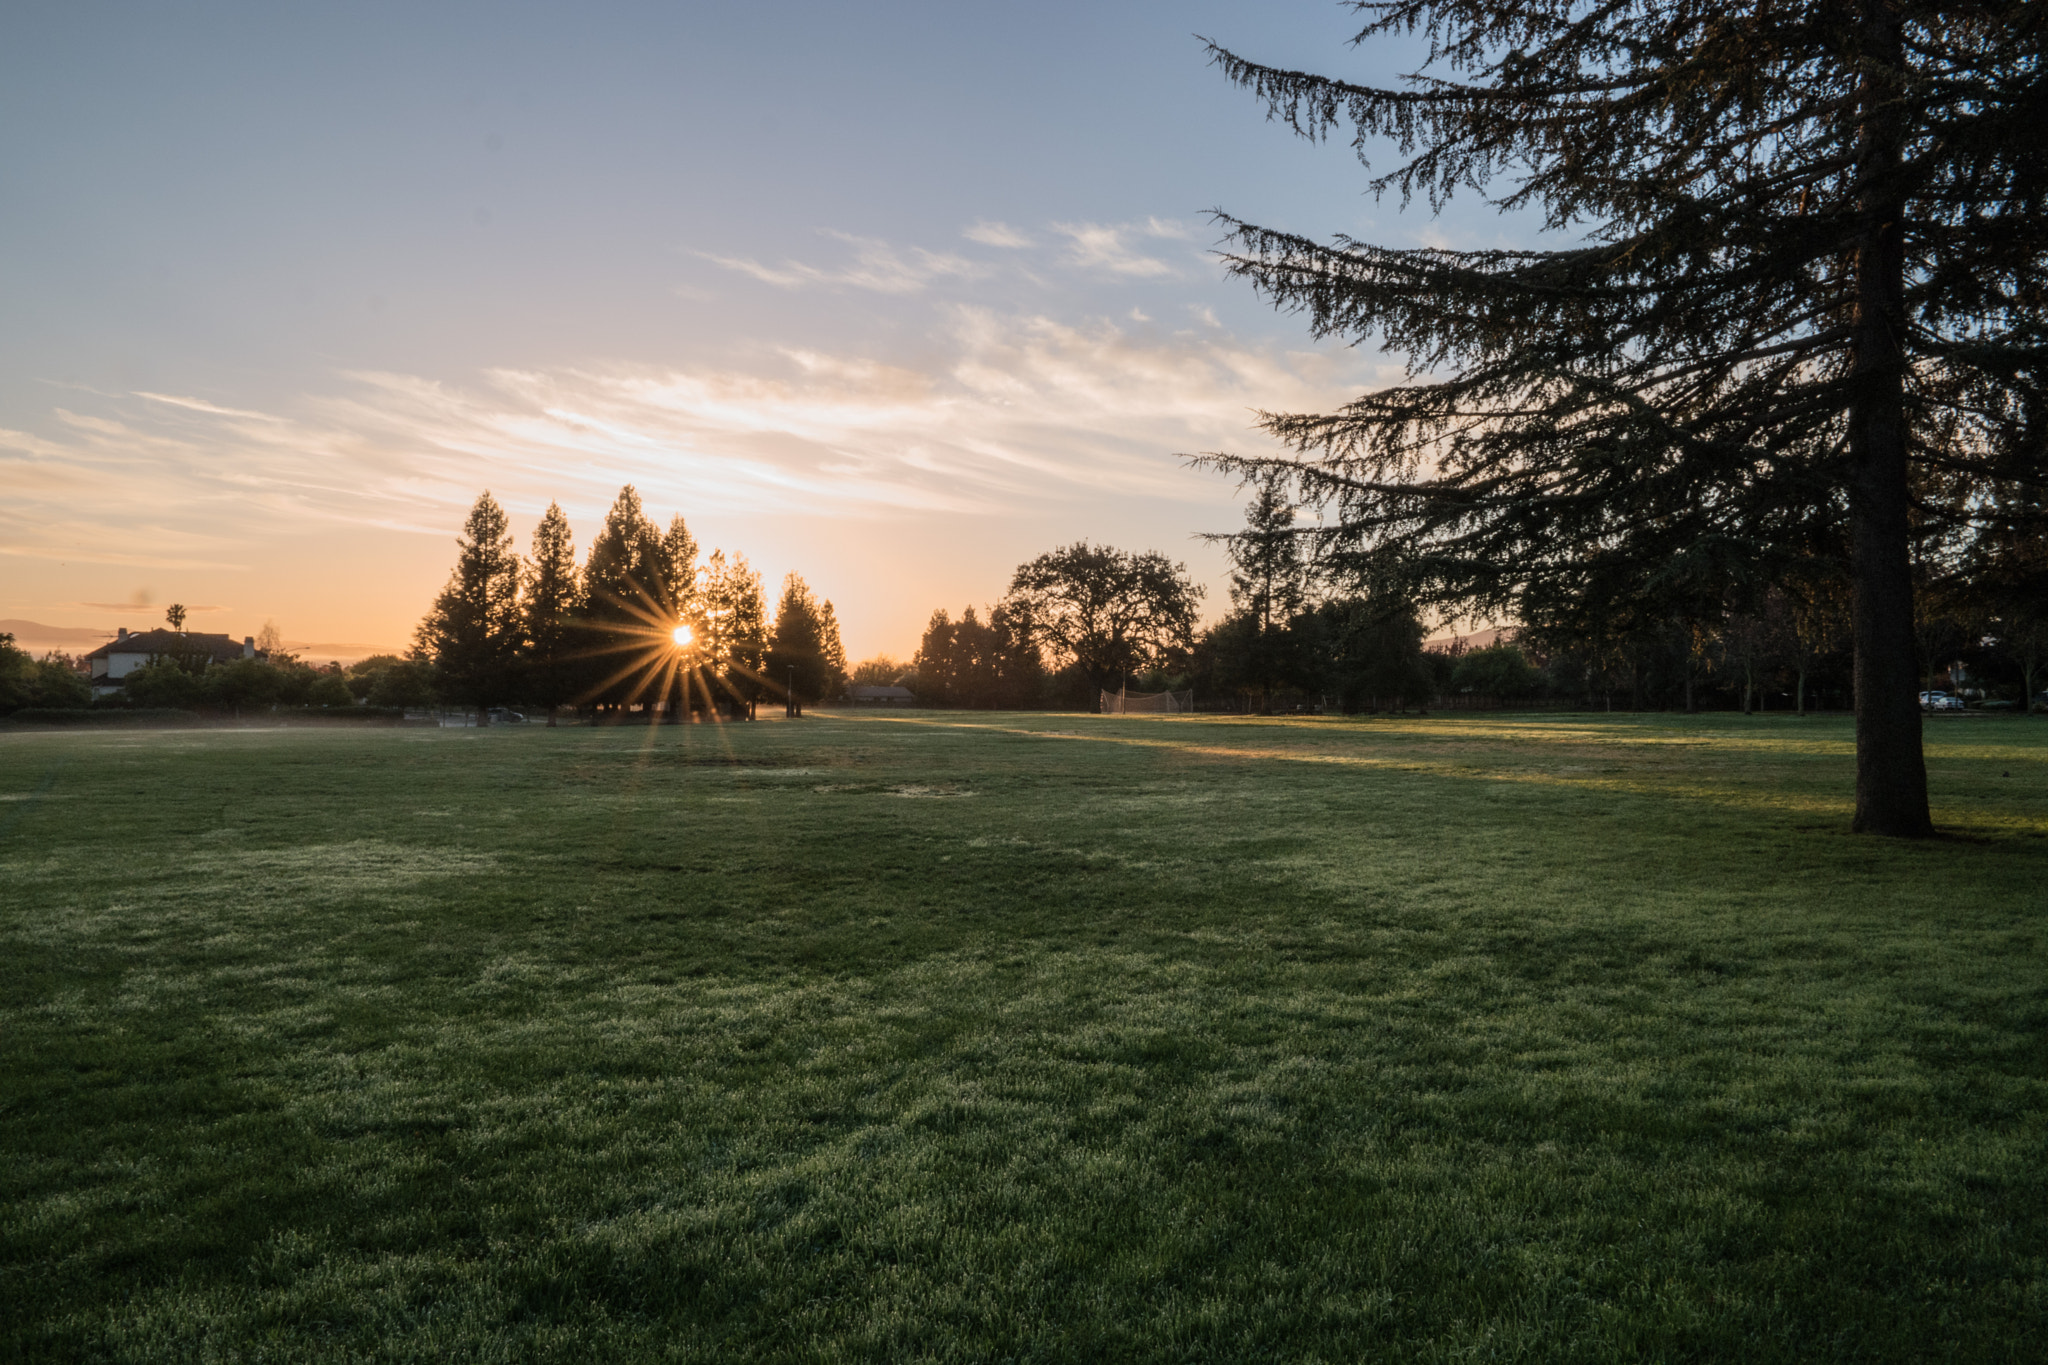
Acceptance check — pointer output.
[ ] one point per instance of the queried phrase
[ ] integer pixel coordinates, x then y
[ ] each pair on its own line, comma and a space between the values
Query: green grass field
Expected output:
969, 1037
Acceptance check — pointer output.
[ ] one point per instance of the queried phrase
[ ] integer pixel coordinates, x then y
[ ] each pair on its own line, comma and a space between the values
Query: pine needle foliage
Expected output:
625, 587
553, 597
734, 642
1803, 309
805, 647
473, 632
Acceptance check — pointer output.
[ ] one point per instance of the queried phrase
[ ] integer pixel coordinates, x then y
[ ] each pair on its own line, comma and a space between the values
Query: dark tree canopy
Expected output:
627, 574
27, 681
626, 597
805, 647
1107, 610
473, 633
733, 644
553, 597
972, 662
1268, 580
1804, 315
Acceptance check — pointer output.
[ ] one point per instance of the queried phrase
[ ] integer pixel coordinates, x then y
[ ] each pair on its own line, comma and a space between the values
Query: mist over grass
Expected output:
946, 1036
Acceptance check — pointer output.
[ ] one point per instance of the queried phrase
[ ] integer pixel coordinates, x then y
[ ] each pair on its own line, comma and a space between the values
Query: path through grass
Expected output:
958, 1037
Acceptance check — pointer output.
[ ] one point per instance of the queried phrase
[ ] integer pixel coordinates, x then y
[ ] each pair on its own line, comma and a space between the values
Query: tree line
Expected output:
1347, 633
641, 624
1076, 621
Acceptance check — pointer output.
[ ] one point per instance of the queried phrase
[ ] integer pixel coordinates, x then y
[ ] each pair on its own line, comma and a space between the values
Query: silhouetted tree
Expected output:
1810, 290
1268, 583
625, 604
679, 568
735, 636
798, 650
553, 597
472, 634
971, 662
833, 650
880, 671
1107, 610
1499, 670
1365, 650
2008, 571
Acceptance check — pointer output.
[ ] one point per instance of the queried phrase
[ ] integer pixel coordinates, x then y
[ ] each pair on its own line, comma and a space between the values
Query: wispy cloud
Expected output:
201, 405
1109, 247
997, 234
1016, 410
876, 266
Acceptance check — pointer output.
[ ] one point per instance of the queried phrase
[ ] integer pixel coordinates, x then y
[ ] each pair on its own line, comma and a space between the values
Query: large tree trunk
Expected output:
1891, 772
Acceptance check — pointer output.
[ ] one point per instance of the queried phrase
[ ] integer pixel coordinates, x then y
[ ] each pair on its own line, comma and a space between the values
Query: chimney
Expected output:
120, 632
248, 646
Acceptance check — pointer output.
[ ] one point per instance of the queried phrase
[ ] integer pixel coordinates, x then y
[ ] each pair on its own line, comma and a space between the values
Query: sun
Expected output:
682, 636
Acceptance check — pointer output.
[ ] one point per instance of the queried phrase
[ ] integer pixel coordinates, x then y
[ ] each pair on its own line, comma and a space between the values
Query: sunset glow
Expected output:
275, 372
682, 636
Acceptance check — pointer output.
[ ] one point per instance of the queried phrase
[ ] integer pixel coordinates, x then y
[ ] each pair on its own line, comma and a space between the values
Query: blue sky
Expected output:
894, 295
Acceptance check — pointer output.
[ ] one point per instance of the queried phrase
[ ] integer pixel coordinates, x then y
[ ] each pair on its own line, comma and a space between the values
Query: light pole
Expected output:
789, 706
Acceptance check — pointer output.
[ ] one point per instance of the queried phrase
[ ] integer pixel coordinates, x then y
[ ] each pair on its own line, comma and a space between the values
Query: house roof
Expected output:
881, 694
218, 647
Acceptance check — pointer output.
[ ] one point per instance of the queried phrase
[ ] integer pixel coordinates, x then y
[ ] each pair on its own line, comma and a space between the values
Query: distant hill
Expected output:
1478, 639
37, 638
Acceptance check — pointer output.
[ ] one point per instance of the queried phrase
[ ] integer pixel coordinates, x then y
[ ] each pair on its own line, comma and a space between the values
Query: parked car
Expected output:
1940, 701
501, 716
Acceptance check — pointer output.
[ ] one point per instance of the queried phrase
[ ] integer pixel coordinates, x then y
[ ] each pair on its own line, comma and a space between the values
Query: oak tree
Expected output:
1107, 610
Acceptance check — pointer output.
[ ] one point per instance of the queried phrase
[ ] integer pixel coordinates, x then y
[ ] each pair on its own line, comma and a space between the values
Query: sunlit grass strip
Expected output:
1760, 790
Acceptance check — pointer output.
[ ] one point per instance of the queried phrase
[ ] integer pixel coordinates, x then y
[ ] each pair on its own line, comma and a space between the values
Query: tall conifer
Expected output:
552, 599
679, 568
1807, 298
625, 586
472, 634
1268, 579
836, 672
735, 627
797, 650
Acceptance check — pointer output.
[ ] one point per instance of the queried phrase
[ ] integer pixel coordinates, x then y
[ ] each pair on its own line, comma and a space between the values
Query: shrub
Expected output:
163, 686
26, 682
1497, 671
330, 689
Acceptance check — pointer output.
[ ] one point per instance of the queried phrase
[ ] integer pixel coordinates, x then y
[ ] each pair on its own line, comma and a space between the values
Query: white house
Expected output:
122, 655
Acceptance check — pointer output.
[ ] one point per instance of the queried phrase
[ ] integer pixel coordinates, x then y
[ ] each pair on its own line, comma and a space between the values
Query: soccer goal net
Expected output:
1133, 703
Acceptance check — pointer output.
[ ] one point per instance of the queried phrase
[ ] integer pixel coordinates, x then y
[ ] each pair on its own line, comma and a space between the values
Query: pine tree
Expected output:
473, 632
937, 683
679, 569
735, 629
833, 652
797, 652
1810, 294
1267, 575
1268, 580
624, 606
553, 597
627, 571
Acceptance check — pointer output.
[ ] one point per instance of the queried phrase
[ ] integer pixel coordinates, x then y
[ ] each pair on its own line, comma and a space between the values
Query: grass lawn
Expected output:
969, 1037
